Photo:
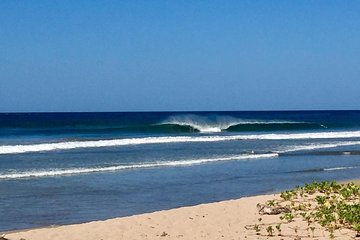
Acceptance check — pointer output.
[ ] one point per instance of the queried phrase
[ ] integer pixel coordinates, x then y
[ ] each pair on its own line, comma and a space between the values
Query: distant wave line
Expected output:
324, 169
43, 147
75, 171
319, 146
340, 168
226, 125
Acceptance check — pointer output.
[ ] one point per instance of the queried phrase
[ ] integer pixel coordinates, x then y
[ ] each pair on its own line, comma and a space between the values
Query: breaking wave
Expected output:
194, 123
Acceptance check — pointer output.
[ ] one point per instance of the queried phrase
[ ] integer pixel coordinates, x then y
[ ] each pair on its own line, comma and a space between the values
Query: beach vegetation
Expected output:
278, 228
257, 229
312, 228
270, 230
271, 203
333, 206
327, 205
288, 217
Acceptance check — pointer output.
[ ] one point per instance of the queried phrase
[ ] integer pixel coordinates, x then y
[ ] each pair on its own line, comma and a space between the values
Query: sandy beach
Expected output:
232, 219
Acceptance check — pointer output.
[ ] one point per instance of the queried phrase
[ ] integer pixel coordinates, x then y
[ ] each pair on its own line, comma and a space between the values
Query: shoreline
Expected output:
148, 225
227, 219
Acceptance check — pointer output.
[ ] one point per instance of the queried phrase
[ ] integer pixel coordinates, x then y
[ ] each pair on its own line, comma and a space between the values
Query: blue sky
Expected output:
179, 55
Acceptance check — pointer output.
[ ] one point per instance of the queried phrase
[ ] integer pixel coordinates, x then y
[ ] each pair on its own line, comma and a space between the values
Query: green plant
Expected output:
287, 195
312, 228
288, 217
320, 200
356, 227
256, 228
270, 230
278, 228
270, 203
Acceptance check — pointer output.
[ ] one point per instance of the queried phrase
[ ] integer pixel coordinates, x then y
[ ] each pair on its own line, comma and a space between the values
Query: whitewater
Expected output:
68, 145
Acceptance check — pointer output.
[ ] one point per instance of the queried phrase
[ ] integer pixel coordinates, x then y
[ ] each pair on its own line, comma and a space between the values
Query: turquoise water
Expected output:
61, 168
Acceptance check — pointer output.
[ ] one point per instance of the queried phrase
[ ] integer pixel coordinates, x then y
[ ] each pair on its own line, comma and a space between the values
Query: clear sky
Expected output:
179, 55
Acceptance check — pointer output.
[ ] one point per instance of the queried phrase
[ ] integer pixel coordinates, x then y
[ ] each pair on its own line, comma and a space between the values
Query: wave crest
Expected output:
217, 124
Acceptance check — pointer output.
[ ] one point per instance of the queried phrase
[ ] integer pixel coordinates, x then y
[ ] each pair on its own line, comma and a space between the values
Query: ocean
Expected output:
63, 168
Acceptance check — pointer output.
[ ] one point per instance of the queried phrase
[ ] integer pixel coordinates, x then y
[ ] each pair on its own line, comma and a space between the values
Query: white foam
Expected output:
202, 124
102, 143
42, 147
319, 146
295, 136
339, 168
75, 171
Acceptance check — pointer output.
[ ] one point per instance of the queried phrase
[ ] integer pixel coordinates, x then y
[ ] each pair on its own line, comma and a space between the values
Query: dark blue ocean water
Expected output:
61, 168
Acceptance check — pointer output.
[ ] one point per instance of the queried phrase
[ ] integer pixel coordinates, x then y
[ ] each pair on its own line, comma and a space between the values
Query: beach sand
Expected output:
233, 219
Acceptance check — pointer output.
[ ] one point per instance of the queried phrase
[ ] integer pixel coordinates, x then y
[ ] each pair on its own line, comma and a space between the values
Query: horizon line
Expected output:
182, 111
